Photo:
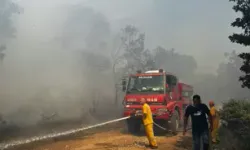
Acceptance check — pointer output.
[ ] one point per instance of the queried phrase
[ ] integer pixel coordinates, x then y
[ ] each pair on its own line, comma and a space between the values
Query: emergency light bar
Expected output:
155, 71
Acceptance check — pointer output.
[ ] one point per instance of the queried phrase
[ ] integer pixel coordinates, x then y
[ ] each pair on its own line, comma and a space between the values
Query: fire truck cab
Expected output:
165, 94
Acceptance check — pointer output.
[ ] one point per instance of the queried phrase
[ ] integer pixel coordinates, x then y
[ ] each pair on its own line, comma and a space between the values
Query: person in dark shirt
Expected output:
198, 112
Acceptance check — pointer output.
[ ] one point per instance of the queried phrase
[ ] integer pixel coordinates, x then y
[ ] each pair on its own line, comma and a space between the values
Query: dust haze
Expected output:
60, 60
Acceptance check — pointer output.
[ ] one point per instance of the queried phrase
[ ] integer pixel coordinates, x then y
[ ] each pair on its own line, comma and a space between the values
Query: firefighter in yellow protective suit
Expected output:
215, 116
148, 124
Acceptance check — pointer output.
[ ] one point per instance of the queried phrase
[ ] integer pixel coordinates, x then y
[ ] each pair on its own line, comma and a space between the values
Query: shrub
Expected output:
236, 113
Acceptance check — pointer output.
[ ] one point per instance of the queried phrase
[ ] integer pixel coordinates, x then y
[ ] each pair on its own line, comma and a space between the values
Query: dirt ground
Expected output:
116, 140
111, 138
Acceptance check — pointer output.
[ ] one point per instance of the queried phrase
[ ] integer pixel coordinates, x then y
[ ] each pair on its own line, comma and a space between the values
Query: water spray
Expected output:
55, 135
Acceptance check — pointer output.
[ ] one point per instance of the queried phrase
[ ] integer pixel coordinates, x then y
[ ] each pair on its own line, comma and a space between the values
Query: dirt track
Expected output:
114, 140
110, 138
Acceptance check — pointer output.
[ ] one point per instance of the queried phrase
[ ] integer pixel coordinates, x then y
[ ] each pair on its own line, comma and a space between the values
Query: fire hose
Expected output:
138, 113
167, 130
69, 132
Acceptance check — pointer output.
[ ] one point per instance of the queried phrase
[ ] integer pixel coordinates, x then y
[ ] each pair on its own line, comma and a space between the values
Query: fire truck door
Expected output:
174, 88
174, 93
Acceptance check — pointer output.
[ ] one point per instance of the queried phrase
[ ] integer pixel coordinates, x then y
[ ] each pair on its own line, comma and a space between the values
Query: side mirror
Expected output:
124, 84
167, 88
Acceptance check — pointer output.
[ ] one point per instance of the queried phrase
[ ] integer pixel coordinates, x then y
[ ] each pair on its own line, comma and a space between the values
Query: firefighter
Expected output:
147, 119
215, 117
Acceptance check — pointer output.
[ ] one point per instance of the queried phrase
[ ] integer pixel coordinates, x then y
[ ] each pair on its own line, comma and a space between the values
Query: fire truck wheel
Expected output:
175, 122
133, 126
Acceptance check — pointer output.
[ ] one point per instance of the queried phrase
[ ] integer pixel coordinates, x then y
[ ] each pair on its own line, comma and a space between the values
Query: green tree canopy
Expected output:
243, 22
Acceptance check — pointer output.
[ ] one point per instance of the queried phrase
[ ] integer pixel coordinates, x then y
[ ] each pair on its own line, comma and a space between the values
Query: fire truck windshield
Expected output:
145, 84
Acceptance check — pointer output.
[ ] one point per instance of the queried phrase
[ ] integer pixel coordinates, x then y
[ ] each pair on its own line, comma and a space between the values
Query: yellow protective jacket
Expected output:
148, 119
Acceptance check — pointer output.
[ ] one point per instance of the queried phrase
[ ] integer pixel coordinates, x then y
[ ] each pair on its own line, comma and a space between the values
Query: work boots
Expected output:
152, 147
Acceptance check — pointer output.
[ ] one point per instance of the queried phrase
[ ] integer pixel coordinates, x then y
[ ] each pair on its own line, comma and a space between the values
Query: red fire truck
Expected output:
165, 94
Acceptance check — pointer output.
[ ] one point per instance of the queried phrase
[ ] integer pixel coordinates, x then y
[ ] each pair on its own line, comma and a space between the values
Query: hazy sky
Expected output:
42, 73
199, 28
40, 69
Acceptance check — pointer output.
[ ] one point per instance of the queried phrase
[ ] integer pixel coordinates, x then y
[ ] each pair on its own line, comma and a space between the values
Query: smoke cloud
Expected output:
60, 59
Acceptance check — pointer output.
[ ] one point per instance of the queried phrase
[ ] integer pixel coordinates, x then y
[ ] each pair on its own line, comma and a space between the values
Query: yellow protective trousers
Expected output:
150, 134
214, 133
